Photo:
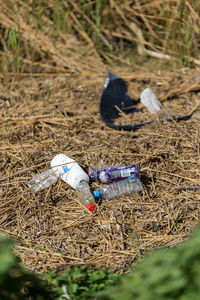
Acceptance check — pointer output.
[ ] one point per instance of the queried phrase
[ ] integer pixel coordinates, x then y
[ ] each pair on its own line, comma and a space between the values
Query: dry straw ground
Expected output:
43, 115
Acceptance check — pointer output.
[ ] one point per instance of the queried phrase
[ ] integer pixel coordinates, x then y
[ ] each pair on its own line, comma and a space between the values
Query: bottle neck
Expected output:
82, 183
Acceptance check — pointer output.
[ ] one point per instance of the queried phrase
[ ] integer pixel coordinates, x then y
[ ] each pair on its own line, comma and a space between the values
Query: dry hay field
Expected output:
44, 114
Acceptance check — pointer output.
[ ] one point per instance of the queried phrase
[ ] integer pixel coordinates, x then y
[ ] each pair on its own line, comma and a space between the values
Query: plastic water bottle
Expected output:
112, 190
43, 180
70, 172
85, 196
110, 174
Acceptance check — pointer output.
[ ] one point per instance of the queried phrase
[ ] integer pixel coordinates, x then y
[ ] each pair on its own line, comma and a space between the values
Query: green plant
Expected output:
166, 274
60, 15
168, 27
18, 283
14, 39
79, 282
15, 281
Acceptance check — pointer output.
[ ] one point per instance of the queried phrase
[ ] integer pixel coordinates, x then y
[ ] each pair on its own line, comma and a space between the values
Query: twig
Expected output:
188, 187
141, 48
6, 99
192, 84
5, 162
119, 230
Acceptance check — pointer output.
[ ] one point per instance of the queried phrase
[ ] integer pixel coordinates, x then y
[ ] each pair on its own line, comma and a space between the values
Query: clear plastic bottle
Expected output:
110, 174
61, 166
43, 180
112, 190
70, 172
85, 196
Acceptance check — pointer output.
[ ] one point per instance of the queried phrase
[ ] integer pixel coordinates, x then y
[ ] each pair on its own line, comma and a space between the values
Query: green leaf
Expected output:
7, 261
13, 39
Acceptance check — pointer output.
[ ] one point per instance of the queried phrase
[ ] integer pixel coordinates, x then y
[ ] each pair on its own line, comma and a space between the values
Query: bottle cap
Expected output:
91, 207
96, 193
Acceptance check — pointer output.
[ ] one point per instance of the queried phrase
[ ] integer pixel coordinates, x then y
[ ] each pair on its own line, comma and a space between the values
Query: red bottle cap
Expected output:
91, 207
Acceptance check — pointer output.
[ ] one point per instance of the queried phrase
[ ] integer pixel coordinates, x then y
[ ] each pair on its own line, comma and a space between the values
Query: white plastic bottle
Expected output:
69, 171
110, 191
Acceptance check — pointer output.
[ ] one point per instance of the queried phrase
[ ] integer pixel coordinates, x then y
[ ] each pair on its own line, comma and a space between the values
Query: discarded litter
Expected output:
115, 98
43, 180
123, 180
85, 196
110, 174
150, 101
112, 190
115, 95
70, 172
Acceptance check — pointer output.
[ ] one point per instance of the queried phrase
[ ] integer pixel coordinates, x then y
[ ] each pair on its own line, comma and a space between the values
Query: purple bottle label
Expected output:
116, 174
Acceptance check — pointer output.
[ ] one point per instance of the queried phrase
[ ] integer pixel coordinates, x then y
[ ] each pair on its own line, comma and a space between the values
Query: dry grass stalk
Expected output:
59, 113
159, 30
64, 54
51, 228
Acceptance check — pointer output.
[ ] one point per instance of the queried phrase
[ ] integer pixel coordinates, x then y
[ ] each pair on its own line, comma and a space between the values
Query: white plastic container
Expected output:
69, 170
